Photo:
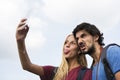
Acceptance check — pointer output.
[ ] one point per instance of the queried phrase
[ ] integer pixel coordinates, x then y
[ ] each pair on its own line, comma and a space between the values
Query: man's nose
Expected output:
81, 44
80, 41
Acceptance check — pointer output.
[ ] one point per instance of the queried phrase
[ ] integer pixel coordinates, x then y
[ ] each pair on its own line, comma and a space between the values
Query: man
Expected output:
90, 41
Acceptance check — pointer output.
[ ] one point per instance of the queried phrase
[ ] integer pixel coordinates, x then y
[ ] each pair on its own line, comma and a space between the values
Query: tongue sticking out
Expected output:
66, 51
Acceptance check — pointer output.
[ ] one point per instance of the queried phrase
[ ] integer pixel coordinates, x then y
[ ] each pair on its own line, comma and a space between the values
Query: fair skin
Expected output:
70, 48
88, 41
21, 33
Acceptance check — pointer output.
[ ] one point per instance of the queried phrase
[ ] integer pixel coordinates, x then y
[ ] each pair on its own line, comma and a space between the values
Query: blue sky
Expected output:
50, 21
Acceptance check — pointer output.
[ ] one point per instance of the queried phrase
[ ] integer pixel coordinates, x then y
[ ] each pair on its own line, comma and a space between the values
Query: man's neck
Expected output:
96, 55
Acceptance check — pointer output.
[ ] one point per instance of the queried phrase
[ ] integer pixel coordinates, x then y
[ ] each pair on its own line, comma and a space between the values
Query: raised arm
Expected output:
21, 33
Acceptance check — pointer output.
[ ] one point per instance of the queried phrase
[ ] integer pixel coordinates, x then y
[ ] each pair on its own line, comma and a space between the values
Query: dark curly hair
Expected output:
91, 29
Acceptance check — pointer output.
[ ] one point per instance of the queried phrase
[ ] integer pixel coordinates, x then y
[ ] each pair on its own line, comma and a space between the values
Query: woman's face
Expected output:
70, 48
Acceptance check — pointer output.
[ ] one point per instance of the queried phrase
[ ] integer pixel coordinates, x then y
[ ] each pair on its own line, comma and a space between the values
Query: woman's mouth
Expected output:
66, 51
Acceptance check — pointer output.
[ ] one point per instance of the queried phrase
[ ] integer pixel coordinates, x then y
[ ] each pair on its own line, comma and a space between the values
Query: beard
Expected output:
90, 51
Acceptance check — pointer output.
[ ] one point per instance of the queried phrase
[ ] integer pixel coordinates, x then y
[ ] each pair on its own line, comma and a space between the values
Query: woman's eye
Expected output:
65, 42
73, 43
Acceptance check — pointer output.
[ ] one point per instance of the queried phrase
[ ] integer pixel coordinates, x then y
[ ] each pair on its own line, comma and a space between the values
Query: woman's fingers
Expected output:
22, 22
22, 25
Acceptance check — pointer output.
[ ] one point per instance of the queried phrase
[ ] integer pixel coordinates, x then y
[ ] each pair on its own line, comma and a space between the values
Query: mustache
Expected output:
82, 44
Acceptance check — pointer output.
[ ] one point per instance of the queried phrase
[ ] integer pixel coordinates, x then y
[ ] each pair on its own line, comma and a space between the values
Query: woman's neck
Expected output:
73, 63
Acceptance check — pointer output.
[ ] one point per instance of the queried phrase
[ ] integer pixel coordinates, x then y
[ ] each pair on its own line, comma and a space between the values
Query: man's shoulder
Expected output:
113, 48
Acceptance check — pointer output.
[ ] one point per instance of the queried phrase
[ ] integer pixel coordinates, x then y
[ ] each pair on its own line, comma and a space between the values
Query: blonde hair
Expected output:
62, 70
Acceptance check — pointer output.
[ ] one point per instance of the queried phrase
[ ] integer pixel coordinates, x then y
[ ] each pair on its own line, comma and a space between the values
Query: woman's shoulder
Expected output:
48, 72
48, 67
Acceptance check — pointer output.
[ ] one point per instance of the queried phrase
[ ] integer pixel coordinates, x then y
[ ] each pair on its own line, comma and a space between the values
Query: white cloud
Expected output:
99, 12
6, 6
35, 39
45, 16
62, 10
36, 22
13, 11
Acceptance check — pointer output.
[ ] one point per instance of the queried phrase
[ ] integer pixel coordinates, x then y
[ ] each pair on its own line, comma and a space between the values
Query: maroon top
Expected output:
72, 75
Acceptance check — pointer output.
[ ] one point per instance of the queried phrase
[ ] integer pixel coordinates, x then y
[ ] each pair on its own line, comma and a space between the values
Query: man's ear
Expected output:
96, 38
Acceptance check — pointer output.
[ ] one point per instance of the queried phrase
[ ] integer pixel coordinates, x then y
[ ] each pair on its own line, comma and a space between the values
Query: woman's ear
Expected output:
79, 52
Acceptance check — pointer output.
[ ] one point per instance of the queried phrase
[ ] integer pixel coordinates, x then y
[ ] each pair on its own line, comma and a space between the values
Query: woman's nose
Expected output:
67, 45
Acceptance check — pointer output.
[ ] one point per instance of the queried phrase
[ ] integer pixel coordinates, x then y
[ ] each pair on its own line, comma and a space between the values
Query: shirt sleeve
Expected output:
113, 56
48, 73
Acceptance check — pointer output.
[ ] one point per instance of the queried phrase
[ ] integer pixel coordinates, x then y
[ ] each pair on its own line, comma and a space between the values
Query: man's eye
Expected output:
77, 39
83, 35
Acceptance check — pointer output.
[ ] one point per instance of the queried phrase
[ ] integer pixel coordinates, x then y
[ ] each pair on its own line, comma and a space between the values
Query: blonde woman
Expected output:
72, 60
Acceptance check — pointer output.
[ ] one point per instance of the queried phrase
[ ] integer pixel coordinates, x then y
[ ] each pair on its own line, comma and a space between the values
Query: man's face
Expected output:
85, 42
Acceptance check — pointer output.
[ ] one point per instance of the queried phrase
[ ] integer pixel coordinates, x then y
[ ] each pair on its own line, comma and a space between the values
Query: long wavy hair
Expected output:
62, 70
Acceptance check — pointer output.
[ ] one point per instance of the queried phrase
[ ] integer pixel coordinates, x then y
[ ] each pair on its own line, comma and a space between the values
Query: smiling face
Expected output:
70, 48
86, 42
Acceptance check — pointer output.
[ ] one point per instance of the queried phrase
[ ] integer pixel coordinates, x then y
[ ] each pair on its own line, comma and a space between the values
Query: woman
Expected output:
72, 60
